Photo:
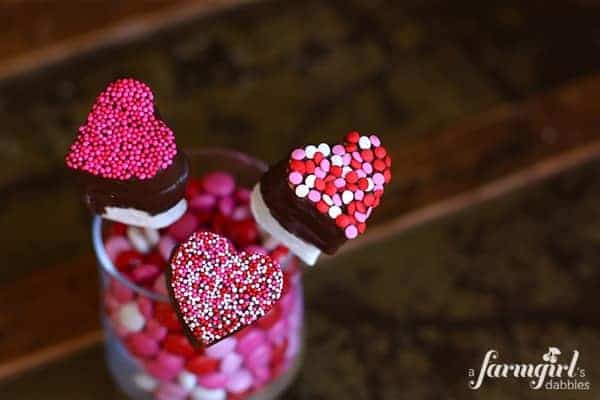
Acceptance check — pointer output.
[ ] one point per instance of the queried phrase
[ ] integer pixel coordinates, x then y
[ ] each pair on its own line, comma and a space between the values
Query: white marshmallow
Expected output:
305, 251
145, 382
135, 217
131, 318
201, 393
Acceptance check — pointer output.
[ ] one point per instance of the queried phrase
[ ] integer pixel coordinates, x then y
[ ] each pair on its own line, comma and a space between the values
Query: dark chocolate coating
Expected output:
154, 195
299, 216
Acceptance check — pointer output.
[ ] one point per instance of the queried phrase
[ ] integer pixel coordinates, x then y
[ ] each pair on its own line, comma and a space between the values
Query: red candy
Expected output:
127, 260
380, 152
379, 165
202, 365
353, 137
298, 166
367, 155
166, 316
179, 344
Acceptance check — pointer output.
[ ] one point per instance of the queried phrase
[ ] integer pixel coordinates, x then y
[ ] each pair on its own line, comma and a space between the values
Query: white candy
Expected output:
131, 318
152, 235
145, 382
335, 212
345, 171
302, 191
310, 151
347, 197
364, 143
187, 380
138, 239
337, 160
324, 149
310, 181
327, 199
201, 393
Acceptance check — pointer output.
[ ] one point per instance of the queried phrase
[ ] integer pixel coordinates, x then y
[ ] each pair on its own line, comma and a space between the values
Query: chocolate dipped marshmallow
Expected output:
127, 161
321, 196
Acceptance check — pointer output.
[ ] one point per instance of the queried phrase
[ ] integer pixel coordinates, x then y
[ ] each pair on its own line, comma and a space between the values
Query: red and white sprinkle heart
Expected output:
122, 138
344, 181
216, 290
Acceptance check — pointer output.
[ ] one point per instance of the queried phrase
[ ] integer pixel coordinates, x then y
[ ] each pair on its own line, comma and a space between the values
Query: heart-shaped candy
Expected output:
345, 181
216, 291
122, 137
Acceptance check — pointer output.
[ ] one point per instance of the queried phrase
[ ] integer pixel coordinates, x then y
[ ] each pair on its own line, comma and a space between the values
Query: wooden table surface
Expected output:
474, 100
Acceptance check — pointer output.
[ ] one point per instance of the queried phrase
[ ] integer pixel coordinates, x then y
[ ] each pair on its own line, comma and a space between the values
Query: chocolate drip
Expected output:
154, 195
298, 216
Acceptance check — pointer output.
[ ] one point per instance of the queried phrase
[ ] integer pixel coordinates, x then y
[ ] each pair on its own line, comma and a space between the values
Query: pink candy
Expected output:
250, 341
221, 348
298, 154
203, 202
231, 362
166, 244
219, 183
213, 381
295, 178
170, 391
155, 330
165, 367
142, 344
116, 245
239, 382
145, 273
120, 292
226, 206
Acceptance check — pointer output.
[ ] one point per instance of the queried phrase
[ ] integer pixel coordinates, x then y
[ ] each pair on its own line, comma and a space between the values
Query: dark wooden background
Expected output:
474, 99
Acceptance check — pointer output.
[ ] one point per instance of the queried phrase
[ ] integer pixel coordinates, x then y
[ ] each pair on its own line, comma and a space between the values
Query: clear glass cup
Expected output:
147, 355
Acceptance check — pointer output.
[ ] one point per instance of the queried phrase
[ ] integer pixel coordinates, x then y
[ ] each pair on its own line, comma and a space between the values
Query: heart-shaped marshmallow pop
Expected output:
216, 291
322, 195
127, 159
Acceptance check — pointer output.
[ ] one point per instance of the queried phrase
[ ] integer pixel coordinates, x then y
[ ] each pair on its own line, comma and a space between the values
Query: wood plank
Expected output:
509, 147
38, 34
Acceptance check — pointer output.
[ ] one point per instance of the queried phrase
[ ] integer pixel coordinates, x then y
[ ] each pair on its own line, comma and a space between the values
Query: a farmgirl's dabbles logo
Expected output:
548, 375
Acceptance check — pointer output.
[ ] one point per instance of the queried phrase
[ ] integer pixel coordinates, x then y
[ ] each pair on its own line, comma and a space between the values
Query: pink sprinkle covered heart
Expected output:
122, 137
216, 291
345, 182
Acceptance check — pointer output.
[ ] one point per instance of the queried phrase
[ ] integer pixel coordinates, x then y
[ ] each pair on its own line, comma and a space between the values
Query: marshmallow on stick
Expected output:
127, 160
321, 196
